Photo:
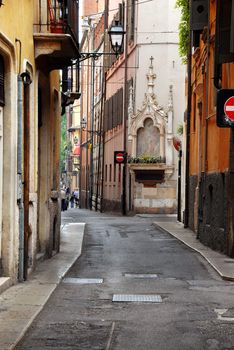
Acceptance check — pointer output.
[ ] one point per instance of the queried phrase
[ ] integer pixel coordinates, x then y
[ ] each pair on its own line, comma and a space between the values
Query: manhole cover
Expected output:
137, 298
141, 275
71, 280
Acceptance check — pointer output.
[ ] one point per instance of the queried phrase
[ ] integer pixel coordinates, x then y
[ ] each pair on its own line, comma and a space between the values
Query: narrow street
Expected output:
134, 259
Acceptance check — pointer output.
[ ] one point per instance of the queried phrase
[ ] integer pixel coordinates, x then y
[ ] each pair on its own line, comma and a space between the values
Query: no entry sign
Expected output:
225, 108
119, 157
229, 108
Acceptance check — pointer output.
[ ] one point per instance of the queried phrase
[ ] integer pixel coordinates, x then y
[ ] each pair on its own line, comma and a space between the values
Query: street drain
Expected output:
140, 275
225, 314
137, 298
70, 280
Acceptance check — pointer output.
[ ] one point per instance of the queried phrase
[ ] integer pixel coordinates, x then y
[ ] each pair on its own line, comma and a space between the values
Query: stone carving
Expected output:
150, 128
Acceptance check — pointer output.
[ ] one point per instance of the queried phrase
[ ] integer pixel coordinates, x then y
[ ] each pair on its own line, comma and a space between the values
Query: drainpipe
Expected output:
186, 216
92, 138
203, 187
124, 180
101, 124
19, 178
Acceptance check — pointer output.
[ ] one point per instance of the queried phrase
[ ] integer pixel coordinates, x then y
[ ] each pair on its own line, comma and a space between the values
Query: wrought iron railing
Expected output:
62, 17
70, 78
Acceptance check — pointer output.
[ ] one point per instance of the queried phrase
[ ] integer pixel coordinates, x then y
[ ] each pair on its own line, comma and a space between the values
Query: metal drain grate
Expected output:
71, 280
137, 298
141, 275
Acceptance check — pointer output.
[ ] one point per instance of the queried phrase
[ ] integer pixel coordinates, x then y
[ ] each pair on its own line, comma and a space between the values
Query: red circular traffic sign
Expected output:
119, 157
229, 108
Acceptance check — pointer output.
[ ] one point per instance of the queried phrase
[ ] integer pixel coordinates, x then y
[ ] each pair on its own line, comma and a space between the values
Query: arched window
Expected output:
2, 100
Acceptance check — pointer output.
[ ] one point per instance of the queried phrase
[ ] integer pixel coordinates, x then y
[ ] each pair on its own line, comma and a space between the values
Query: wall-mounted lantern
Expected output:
116, 34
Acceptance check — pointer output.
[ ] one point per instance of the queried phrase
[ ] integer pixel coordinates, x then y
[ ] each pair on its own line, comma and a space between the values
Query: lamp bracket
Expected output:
95, 55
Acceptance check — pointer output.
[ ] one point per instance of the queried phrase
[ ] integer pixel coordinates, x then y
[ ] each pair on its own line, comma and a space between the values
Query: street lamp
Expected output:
116, 34
83, 125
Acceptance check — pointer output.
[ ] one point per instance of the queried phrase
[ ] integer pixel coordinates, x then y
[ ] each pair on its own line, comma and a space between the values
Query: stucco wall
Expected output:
157, 36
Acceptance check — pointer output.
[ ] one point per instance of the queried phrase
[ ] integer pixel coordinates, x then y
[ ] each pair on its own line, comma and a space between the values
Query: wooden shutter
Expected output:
115, 106
224, 31
106, 109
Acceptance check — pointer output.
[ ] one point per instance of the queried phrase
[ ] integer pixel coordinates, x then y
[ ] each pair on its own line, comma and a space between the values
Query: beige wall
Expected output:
17, 48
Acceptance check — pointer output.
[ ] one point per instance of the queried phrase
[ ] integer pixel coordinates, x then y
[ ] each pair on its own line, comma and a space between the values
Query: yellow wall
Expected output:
16, 21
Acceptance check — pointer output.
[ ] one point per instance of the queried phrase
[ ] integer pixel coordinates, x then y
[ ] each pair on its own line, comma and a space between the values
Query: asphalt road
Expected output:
194, 308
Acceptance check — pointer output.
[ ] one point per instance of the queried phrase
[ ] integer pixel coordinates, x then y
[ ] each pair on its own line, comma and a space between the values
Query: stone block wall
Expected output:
55, 219
192, 188
212, 229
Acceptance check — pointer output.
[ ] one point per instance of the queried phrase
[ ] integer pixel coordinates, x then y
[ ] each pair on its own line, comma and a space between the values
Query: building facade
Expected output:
134, 106
31, 53
210, 184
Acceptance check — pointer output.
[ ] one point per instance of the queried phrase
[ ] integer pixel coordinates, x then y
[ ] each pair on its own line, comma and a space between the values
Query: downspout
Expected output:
203, 188
102, 108
92, 137
19, 178
187, 166
124, 180
101, 140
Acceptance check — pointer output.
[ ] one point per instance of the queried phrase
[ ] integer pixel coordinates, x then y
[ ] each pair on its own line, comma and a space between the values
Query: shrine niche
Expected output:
150, 128
150, 151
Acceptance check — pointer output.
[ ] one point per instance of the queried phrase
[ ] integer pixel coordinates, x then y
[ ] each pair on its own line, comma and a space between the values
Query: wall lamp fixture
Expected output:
116, 35
83, 125
26, 78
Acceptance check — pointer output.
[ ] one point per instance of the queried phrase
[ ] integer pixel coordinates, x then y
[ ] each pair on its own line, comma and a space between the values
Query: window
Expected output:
225, 31
106, 172
110, 173
131, 20
113, 110
114, 172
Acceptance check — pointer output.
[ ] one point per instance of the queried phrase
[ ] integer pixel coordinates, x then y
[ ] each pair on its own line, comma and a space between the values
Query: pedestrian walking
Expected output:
72, 200
63, 200
76, 195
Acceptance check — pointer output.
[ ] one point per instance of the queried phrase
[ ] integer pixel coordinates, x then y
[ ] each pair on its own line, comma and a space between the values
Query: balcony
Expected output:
56, 34
70, 84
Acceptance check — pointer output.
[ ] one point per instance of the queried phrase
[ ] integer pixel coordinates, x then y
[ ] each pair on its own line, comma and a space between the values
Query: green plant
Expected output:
179, 129
183, 29
146, 159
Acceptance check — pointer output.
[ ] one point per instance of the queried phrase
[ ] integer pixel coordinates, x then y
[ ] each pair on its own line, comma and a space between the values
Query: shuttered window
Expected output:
113, 111
225, 31
2, 97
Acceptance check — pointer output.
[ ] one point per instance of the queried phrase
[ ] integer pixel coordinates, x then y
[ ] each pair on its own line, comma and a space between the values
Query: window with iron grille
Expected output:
2, 97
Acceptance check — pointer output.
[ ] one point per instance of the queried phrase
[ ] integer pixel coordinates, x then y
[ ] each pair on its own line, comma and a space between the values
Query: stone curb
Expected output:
196, 249
31, 296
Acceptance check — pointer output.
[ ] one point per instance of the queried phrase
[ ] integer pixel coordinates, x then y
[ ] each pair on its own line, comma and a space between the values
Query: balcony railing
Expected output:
70, 84
61, 17
56, 34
